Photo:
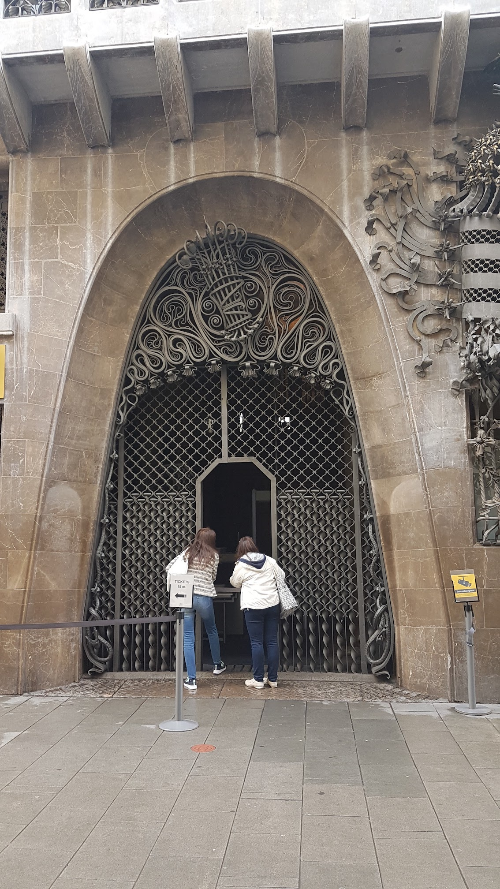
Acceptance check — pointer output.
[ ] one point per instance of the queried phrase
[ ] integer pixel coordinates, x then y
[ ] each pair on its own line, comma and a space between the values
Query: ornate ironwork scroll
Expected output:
240, 301
3, 251
420, 248
115, 4
13, 8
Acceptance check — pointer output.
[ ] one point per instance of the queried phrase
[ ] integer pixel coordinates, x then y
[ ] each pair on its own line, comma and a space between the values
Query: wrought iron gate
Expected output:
234, 356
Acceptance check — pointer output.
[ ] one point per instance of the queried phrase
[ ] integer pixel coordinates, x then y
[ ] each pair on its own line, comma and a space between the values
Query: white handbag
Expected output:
288, 601
180, 565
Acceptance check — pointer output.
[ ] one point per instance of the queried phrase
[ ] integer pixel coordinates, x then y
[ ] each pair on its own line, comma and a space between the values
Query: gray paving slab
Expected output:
337, 839
8, 832
57, 829
424, 723
334, 799
389, 816
211, 794
474, 843
65, 882
418, 861
333, 769
273, 780
431, 742
491, 779
245, 864
482, 877
154, 804
177, 873
371, 711
20, 807
118, 850
382, 779
321, 875
377, 730
160, 771
223, 762
38, 869
276, 816
482, 755
452, 767
180, 838
115, 759
463, 801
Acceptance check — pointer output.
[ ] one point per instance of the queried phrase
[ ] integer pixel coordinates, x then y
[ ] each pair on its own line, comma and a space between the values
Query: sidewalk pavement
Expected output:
309, 794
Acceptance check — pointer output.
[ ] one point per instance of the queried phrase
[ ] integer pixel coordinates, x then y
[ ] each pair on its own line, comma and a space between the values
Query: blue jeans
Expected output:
262, 626
204, 606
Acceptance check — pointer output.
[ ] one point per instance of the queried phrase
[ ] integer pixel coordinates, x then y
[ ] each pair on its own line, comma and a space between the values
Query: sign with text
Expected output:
464, 586
181, 591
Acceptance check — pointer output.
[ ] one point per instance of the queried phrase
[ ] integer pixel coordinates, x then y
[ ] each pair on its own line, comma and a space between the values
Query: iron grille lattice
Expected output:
480, 236
242, 302
481, 294
304, 438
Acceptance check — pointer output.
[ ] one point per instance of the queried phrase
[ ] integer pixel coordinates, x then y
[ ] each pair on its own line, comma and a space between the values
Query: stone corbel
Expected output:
355, 58
446, 75
15, 112
90, 95
263, 81
176, 89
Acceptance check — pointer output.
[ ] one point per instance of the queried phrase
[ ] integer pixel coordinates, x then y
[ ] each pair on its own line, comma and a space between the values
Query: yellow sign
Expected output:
464, 586
2, 371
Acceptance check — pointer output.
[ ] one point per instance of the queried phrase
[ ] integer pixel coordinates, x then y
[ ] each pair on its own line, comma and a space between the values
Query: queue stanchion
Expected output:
181, 588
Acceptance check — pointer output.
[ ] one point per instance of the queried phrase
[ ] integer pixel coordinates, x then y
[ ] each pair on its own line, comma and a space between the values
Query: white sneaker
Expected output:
270, 683
252, 683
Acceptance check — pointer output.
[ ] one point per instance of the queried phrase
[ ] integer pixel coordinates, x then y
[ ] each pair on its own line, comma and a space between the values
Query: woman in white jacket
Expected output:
255, 574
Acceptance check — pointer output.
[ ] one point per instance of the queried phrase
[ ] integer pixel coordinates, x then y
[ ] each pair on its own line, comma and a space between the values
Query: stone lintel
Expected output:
15, 112
175, 85
90, 94
446, 75
263, 80
355, 59
480, 311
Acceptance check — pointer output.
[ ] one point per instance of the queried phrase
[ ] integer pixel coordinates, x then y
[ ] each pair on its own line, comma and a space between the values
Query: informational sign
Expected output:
181, 591
464, 586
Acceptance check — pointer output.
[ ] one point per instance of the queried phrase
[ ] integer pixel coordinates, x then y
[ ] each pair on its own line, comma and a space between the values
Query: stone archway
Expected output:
87, 406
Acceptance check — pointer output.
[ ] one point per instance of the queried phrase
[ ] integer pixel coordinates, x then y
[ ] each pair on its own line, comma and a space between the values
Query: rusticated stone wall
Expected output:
89, 230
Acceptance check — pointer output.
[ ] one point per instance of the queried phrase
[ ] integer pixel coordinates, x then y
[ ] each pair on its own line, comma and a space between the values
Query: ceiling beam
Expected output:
15, 112
446, 75
355, 59
263, 80
175, 85
90, 95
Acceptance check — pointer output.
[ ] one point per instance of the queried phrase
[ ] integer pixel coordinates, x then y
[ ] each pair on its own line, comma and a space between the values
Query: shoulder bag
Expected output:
288, 601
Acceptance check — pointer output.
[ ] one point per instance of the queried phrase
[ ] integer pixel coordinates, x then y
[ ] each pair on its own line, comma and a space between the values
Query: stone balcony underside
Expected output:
87, 59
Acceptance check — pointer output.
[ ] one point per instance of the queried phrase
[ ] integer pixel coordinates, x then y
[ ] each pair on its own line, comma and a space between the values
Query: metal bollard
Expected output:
472, 708
178, 724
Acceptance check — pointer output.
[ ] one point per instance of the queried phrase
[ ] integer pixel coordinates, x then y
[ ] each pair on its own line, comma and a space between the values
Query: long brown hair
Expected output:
246, 545
202, 549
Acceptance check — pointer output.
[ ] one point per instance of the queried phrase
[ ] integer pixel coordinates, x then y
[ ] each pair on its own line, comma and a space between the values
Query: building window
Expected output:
3, 250
15, 8
117, 4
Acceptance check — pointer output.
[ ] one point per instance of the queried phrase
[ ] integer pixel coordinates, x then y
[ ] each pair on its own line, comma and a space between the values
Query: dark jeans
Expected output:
262, 626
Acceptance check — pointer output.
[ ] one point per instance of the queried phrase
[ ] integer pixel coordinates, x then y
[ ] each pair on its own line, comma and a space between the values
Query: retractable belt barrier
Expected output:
178, 724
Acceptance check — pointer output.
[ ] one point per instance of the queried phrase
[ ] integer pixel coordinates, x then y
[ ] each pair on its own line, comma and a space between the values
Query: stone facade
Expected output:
89, 229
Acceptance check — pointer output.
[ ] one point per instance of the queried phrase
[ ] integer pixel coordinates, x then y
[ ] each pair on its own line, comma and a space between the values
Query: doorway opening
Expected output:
236, 501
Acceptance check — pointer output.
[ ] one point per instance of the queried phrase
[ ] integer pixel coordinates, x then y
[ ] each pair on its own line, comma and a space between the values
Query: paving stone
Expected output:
333, 769
245, 864
482, 877
177, 873
116, 760
209, 794
154, 804
37, 870
449, 767
65, 882
223, 762
20, 807
463, 801
334, 799
160, 771
385, 780
206, 837
433, 742
337, 839
119, 851
417, 861
8, 831
273, 780
482, 755
474, 843
377, 730
491, 778
275, 815
58, 829
322, 875
371, 711
423, 723
388, 817
89, 793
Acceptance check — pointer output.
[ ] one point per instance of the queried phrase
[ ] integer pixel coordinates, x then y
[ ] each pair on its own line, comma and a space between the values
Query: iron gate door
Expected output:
278, 393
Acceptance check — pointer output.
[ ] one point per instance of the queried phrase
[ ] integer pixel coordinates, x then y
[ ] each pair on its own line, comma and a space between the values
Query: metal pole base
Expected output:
178, 725
478, 710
